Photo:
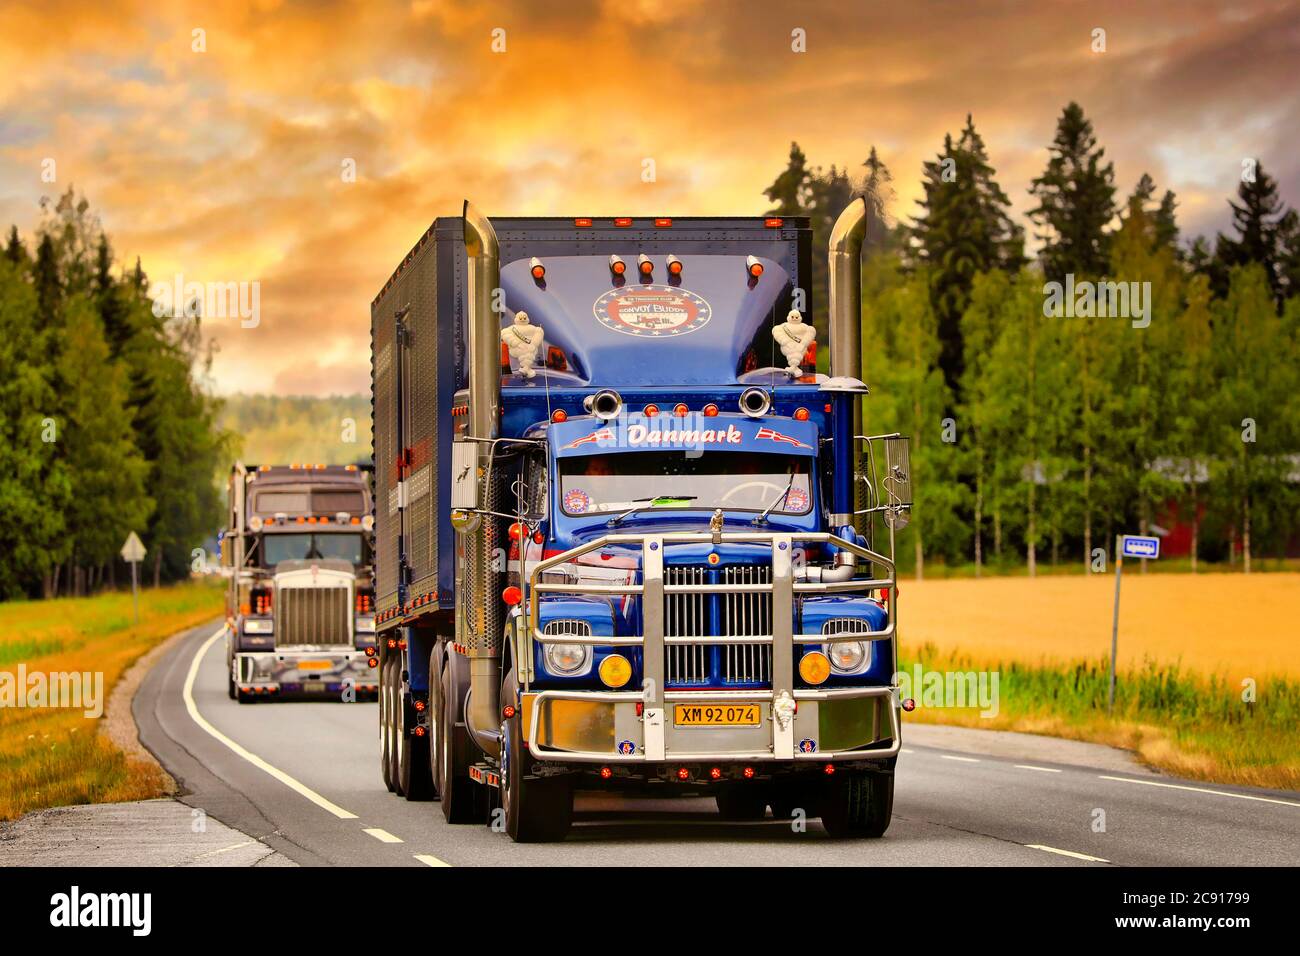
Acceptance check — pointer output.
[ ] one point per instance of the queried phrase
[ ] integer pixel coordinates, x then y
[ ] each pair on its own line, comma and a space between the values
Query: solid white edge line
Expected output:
383, 836
962, 759
1069, 853
1029, 766
254, 759
1217, 793
430, 860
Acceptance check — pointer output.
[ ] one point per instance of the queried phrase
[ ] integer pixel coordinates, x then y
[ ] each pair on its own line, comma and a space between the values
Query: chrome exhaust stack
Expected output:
844, 258
481, 621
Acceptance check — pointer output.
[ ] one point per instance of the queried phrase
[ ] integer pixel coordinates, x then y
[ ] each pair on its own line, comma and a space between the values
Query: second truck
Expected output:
627, 537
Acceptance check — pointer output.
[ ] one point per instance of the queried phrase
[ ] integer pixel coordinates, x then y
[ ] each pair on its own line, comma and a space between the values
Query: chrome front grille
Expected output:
567, 627
845, 625
745, 614
313, 616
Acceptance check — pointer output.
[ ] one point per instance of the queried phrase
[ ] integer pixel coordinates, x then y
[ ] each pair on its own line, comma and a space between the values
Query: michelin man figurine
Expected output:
793, 338
524, 341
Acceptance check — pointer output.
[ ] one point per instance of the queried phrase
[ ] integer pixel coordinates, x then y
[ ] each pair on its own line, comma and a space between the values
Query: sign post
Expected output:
1126, 546
133, 554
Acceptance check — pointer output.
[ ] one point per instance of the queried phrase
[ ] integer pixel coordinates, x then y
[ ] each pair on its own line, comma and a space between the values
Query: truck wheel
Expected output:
858, 804
231, 690
460, 802
435, 722
741, 803
537, 809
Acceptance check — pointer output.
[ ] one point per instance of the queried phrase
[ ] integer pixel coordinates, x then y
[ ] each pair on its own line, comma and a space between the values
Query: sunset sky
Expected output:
225, 164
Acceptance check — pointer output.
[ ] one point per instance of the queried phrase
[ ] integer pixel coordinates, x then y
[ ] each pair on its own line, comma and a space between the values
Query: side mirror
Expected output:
896, 482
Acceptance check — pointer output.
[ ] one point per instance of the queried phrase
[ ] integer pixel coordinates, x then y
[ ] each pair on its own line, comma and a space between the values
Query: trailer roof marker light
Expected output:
512, 596
617, 265
772, 222
644, 264
582, 222
536, 268
622, 221
674, 265
753, 266
663, 223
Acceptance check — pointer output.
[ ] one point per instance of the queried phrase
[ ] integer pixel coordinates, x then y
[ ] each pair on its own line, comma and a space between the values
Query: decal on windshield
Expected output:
796, 500
652, 310
576, 501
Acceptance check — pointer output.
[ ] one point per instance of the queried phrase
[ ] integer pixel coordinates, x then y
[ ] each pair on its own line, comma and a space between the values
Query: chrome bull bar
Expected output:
782, 586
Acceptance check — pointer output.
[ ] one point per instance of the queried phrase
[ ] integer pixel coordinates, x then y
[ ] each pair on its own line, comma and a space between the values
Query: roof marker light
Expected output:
536, 268
559, 415
801, 414
674, 265
663, 223
710, 410
753, 266
582, 222
680, 410
644, 264
623, 221
773, 222
651, 410
617, 265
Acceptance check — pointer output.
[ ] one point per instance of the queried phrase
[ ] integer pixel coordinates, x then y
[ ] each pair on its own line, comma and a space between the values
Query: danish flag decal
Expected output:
773, 435
604, 434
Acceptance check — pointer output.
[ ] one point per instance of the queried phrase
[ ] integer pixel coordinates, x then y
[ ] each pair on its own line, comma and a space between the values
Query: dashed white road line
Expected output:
429, 860
1069, 853
254, 759
1027, 766
383, 836
1217, 793
962, 759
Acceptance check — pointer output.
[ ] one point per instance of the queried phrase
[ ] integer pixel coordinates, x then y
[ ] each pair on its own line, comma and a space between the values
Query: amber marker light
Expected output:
615, 671
814, 667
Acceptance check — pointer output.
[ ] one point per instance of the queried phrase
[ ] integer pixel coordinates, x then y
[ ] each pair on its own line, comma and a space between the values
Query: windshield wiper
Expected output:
762, 518
643, 503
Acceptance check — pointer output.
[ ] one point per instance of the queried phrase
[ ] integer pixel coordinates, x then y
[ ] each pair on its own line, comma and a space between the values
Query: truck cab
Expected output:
300, 604
671, 565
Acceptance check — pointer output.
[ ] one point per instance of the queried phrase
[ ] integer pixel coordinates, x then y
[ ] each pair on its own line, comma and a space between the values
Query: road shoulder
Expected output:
1029, 748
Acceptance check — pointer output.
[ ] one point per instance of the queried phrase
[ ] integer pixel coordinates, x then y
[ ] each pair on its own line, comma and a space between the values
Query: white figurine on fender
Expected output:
794, 337
524, 341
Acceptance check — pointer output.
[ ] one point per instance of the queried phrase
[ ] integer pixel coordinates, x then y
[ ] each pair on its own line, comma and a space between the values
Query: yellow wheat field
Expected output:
1229, 624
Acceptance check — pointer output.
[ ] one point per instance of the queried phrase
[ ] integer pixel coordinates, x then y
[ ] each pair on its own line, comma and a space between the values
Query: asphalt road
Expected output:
303, 777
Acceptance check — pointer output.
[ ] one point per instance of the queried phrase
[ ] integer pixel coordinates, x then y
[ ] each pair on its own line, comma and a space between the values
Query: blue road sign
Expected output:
1137, 546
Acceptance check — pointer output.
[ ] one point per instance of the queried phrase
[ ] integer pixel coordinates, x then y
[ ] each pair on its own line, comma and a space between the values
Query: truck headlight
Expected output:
847, 657
567, 659
254, 626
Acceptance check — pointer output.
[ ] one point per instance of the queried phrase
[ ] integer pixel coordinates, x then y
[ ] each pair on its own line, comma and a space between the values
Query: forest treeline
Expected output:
105, 424
1042, 422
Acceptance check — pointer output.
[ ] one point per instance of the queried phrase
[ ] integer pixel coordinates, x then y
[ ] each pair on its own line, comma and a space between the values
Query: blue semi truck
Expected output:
626, 536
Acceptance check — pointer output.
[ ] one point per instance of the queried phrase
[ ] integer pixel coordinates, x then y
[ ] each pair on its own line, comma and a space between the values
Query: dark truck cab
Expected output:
663, 573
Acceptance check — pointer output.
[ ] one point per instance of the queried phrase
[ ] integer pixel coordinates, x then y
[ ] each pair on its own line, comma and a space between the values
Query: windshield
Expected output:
732, 480
301, 547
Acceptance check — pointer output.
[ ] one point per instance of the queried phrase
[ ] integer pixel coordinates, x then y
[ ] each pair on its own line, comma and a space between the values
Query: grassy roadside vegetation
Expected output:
1189, 645
54, 757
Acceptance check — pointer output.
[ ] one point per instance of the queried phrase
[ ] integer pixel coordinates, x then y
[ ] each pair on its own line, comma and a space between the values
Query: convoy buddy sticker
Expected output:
576, 501
652, 310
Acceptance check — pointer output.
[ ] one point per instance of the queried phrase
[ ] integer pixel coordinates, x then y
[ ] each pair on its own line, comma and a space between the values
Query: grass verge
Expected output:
53, 756
1178, 721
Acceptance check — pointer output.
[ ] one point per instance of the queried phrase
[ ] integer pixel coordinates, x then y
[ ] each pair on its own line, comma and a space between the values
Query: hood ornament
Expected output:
715, 526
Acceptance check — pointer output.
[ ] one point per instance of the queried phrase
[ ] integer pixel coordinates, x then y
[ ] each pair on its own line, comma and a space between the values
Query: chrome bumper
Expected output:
312, 671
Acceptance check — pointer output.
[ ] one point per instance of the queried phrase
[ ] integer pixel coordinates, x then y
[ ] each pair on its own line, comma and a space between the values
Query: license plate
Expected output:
314, 665
314, 687
716, 715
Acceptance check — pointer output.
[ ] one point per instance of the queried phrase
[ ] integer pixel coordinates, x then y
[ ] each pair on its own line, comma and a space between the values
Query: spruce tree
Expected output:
1258, 219
1076, 200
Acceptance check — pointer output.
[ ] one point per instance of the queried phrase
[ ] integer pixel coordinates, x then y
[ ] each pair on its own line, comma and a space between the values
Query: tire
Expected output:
435, 722
383, 725
537, 809
231, 690
858, 804
741, 803
460, 801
